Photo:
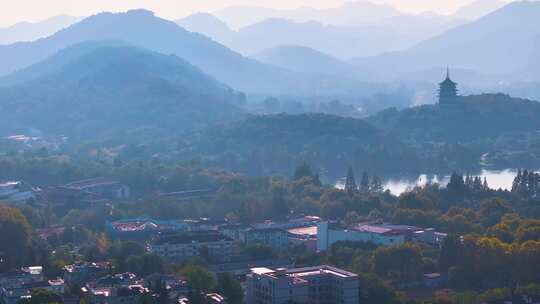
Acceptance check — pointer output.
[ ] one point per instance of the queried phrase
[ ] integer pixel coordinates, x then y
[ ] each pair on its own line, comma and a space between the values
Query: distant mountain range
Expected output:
30, 31
501, 43
92, 90
350, 14
142, 28
479, 8
388, 34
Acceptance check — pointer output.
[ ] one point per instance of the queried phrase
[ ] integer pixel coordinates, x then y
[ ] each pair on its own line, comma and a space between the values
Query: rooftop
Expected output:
387, 229
311, 231
141, 224
299, 273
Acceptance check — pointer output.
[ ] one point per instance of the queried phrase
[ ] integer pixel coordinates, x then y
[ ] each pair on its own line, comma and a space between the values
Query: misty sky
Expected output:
13, 11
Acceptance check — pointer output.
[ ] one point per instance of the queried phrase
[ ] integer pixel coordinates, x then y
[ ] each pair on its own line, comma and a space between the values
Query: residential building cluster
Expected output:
95, 283
18, 284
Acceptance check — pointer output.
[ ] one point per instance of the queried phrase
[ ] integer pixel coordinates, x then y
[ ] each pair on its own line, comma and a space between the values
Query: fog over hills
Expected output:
93, 90
479, 8
502, 42
304, 59
142, 28
30, 31
343, 41
349, 14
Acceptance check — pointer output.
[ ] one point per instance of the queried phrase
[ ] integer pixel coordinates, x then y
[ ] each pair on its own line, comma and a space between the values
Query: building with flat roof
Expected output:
141, 229
314, 285
211, 245
274, 237
378, 233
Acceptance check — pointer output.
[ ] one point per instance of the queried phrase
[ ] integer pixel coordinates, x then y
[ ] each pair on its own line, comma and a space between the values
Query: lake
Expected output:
496, 179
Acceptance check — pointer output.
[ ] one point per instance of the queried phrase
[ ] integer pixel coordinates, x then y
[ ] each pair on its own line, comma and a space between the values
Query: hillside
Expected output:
276, 143
501, 128
479, 117
208, 25
121, 91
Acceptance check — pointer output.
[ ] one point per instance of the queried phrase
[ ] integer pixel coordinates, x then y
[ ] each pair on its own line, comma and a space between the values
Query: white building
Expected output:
313, 285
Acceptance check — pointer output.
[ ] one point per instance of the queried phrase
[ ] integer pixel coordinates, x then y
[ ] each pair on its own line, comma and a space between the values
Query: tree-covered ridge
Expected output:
472, 118
118, 90
276, 143
494, 129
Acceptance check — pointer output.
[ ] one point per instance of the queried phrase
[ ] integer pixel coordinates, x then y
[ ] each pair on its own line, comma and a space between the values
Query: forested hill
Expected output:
117, 90
276, 143
475, 118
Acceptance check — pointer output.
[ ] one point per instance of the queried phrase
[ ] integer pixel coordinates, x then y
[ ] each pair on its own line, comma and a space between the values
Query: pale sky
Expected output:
13, 11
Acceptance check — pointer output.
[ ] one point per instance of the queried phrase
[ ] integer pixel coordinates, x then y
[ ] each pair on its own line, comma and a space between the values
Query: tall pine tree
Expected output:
350, 182
364, 183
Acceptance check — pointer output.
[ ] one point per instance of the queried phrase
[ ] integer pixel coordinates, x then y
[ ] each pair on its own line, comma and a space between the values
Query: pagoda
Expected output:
448, 90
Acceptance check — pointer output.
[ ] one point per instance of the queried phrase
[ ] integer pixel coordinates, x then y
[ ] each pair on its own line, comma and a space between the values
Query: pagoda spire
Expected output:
447, 90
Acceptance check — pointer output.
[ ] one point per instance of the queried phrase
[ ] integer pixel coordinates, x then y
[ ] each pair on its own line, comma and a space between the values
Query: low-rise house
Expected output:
433, 280
114, 289
141, 229
82, 273
273, 237
16, 285
313, 285
114, 295
16, 191
25, 275
210, 245
175, 287
211, 298
429, 236
120, 279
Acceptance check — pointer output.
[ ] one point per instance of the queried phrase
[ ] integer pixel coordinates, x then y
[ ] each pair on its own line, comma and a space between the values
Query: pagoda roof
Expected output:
448, 81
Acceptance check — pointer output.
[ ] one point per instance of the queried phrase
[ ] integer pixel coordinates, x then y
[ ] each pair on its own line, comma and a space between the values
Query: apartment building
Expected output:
314, 285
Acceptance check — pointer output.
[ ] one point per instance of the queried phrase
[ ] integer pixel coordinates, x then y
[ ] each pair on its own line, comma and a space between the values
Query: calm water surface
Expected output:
496, 179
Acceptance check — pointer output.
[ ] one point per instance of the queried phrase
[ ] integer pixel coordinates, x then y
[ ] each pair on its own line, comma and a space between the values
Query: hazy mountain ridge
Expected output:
482, 46
30, 31
142, 28
304, 59
389, 34
349, 14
